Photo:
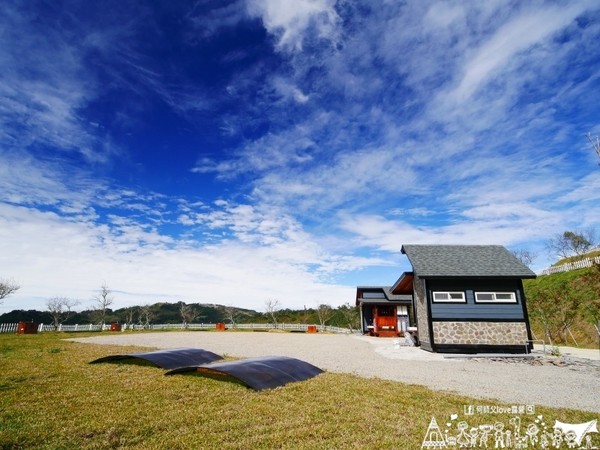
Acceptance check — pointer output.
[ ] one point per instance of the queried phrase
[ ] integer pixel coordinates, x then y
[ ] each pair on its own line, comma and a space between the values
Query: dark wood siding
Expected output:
470, 309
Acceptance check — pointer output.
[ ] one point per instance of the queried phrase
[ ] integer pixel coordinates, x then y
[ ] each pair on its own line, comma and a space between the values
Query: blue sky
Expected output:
237, 151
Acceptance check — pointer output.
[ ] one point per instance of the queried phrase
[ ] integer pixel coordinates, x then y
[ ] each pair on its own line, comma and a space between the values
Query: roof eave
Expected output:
403, 285
489, 277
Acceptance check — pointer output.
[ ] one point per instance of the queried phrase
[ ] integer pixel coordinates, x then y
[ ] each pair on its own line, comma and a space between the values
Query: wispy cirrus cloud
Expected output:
59, 69
42, 88
516, 36
364, 141
458, 100
322, 136
205, 24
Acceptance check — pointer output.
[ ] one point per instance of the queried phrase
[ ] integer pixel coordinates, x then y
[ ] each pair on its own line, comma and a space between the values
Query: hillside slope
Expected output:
564, 308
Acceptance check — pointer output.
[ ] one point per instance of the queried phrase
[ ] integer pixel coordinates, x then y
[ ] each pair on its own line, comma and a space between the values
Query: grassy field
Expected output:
51, 398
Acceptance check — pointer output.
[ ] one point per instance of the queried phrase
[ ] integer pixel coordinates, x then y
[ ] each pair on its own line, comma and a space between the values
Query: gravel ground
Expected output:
573, 381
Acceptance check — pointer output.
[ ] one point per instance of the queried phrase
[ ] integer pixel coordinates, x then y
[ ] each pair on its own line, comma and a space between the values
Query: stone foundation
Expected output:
480, 333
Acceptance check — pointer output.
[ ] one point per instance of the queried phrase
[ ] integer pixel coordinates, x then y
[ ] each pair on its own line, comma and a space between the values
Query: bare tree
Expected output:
324, 312
130, 315
272, 307
572, 243
102, 301
526, 257
7, 287
595, 143
188, 313
60, 308
146, 315
231, 314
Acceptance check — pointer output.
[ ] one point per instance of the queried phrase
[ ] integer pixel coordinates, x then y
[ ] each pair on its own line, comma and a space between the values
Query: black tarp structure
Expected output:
266, 372
168, 359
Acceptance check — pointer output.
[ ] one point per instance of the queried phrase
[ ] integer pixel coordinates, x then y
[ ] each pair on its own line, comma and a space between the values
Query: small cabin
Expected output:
382, 313
456, 299
467, 298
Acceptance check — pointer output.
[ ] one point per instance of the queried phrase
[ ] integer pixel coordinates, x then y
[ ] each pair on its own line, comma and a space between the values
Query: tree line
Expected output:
61, 310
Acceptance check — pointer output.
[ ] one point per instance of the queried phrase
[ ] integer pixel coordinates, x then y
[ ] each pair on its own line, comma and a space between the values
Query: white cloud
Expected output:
43, 85
426, 122
410, 212
287, 90
293, 21
266, 255
50, 256
390, 235
206, 23
350, 175
27, 180
527, 29
436, 107
585, 190
442, 15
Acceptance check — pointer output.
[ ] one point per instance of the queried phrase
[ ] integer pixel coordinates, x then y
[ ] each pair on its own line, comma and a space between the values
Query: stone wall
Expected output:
421, 304
480, 333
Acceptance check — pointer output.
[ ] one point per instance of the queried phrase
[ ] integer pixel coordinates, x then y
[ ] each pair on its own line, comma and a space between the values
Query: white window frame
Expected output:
463, 298
495, 299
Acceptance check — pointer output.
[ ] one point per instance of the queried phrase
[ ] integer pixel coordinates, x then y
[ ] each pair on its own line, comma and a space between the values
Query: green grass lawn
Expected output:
50, 397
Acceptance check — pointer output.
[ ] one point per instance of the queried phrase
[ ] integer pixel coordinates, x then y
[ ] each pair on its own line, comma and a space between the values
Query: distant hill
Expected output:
158, 313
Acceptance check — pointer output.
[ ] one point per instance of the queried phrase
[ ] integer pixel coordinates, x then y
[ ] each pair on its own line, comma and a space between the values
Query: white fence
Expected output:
8, 327
581, 264
12, 327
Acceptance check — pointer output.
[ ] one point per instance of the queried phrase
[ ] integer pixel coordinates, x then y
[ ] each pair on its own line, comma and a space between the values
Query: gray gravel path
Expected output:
500, 383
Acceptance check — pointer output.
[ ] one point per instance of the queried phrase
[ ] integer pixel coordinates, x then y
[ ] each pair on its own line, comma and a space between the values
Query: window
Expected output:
495, 297
448, 297
373, 295
385, 311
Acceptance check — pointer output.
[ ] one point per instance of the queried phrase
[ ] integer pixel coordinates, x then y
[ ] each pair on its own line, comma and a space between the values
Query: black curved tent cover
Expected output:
266, 372
168, 359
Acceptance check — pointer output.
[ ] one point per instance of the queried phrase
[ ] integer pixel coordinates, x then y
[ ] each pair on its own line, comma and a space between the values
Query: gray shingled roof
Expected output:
386, 291
431, 261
